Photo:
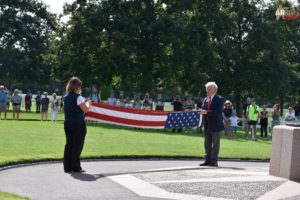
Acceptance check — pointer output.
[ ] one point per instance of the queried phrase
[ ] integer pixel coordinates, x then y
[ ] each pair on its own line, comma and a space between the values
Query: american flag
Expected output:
149, 119
188, 119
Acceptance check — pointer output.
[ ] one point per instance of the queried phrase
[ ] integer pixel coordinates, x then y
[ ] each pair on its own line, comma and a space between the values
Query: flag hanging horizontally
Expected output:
149, 119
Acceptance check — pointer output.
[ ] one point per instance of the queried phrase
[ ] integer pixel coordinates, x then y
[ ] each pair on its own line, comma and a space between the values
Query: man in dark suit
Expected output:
213, 124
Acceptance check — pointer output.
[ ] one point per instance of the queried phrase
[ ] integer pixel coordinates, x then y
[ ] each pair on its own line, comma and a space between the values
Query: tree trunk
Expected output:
238, 101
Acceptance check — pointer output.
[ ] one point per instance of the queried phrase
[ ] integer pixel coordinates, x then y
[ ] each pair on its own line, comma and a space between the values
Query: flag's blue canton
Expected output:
183, 119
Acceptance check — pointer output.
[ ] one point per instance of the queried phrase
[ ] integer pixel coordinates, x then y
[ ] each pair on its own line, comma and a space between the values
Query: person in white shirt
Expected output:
54, 107
234, 122
289, 117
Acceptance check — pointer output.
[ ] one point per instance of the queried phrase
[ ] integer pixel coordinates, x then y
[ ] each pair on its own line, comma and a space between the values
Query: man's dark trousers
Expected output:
212, 146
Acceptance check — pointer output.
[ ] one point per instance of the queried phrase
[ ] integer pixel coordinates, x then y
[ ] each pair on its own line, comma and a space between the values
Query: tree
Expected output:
25, 30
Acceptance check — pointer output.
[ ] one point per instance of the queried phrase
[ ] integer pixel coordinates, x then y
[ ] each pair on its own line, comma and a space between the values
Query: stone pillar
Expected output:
285, 155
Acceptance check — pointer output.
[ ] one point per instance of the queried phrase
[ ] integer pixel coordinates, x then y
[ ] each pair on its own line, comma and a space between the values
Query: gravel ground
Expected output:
292, 198
180, 175
230, 190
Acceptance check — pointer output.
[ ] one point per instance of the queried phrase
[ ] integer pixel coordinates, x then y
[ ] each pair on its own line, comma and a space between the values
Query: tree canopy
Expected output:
153, 46
25, 31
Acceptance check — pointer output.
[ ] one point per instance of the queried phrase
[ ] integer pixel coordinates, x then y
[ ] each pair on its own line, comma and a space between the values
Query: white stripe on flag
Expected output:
121, 124
132, 116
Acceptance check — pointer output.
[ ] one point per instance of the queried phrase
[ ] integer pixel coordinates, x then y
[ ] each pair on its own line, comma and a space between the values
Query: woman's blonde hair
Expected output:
73, 84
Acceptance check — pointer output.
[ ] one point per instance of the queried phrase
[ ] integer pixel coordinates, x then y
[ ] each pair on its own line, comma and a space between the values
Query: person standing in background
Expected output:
178, 106
3, 103
45, 106
252, 118
8, 98
147, 102
289, 117
244, 117
16, 101
234, 123
28, 101
227, 112
159, 102
264, 114
189, 104
38, 100
276, 113
95, 96
112, 100
54, 107
137, 104
297, 110
128, 103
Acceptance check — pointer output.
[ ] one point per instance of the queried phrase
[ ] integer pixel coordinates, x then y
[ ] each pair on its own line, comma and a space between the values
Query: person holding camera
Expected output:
252, 116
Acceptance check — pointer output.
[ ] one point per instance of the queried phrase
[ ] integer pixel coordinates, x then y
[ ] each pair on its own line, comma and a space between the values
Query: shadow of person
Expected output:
85, 177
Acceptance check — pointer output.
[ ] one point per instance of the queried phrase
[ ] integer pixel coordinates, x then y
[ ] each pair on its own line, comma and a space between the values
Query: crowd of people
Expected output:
42, 103
252, 114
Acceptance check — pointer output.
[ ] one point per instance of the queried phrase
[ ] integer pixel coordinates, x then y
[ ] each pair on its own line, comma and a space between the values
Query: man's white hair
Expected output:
209, 84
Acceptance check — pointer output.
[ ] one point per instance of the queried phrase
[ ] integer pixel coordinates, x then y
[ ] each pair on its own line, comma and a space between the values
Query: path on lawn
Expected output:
148, 180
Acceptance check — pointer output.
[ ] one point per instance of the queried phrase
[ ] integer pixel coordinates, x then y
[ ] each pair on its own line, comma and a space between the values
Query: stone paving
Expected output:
156, 179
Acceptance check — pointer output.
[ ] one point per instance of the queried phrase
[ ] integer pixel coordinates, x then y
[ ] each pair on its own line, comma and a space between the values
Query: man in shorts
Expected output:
252, 115
3, 103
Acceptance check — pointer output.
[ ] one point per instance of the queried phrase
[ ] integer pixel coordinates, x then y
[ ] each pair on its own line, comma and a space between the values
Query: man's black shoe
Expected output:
79, 171
213, 164
205, 164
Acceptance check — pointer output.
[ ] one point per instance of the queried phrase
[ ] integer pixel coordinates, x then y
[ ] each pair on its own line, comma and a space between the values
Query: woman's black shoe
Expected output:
205, 164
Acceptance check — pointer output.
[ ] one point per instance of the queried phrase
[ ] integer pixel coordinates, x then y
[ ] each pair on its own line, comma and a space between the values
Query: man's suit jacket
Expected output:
214, 117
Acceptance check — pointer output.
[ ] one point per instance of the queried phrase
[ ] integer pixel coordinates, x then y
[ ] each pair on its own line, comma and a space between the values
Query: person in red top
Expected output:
28, 101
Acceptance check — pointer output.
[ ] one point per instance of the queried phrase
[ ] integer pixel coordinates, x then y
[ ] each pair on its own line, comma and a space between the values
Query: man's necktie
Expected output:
208, 103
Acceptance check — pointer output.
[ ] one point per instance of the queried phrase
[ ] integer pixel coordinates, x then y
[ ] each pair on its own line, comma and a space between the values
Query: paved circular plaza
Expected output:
148, 179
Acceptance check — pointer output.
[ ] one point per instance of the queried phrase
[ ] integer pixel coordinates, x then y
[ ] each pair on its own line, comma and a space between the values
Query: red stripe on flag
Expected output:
130, 110
125, 121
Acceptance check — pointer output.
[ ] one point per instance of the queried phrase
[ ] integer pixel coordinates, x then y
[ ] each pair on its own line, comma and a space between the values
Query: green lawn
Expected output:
26, 141
32, 116
7, 196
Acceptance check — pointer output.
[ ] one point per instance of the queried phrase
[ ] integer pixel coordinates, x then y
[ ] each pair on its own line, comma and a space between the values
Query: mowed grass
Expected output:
28, 141
7, 196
